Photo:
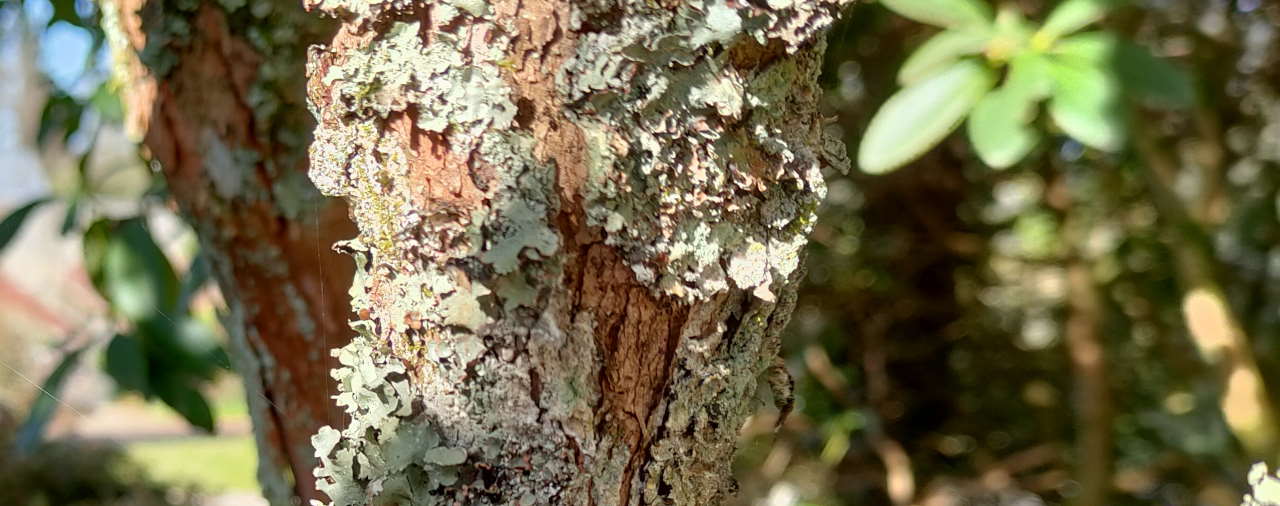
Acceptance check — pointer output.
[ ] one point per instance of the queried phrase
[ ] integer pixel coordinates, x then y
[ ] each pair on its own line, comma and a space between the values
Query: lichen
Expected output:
388, 453
674, 157
486, 304
431, 311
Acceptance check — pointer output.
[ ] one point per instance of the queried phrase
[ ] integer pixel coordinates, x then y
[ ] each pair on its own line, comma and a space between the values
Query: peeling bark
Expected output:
580, 229
214, 92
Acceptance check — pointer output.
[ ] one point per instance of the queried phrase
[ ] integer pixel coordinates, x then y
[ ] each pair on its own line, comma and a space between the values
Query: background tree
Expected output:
211, 90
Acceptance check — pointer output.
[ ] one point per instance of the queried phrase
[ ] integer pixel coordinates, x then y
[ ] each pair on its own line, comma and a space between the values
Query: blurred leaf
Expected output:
61, 113
1029, 75
82, 165
919, 116
31, 432
126, 363
1085, 104
1037, 233
94, 248
65, 10
107, 103
945, 13
1072, 15
1152, 80
183, 346
1011, 34
137, 278
187, 401
998, 128
940, 51
197, 277
70, 220
199, 341
12, 223
1143, 76
1095, 48
1011, 23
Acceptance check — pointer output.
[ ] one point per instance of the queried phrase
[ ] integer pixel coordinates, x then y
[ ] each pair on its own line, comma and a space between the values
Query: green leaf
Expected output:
181, 346
917, 117
1152, 80
12, 223
187, 401
93, 245
136, 276
72, 218
199, 342
998, 128
945, 13
65, 10
1029, 75
1072, 15
61, 113
197, 276
1143, 76
1086, 105
940, 51
126, 363
31, 432
1097, 48
1012, 34
107, 103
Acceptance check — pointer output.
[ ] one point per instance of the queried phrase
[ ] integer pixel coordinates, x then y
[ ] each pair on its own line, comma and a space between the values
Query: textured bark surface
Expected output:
581, 225
215, 91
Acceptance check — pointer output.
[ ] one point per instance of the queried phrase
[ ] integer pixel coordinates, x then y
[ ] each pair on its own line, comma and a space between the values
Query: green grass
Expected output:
211, 464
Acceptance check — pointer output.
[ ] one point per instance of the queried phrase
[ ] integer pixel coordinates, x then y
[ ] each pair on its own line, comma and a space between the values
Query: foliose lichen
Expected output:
703, 158
703, 172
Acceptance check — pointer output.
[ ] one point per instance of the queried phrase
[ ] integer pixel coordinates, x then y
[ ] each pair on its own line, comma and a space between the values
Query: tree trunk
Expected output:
580, 228
1214, 326
1092, 391
215, 92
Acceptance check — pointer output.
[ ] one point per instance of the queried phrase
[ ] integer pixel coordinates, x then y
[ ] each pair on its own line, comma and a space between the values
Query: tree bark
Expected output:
214, 90
1214, 326
1092, 396
580, 230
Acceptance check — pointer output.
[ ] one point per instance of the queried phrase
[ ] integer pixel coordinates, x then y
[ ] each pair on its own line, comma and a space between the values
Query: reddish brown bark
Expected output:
285, 288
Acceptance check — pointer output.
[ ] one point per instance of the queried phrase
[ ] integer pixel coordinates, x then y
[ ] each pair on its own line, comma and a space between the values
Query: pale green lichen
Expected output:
706, 176
703, 172
388, 454
673, 156
434, 311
